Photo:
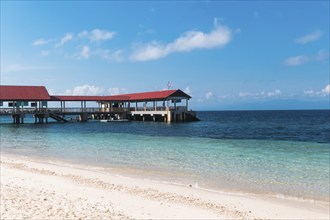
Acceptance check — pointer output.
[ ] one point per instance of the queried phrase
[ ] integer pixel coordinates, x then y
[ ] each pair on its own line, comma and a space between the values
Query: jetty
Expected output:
159, 106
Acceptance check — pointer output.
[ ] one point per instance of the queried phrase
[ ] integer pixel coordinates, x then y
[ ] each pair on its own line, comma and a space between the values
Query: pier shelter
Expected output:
23, 100
166, 106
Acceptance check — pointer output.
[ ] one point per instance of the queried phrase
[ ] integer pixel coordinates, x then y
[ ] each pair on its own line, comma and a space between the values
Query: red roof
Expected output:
39, 93
23, 93
158, 95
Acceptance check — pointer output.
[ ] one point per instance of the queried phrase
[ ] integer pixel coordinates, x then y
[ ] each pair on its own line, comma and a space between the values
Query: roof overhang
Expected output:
23, 93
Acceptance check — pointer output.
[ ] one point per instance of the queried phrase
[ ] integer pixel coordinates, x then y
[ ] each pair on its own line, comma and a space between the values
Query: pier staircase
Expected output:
58, 118
192, 117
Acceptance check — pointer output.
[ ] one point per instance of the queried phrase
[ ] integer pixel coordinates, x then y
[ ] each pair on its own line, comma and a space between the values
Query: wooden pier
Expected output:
164, 106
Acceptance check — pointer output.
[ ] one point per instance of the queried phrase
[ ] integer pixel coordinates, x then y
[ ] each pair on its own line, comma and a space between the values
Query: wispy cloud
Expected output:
296, 60
66, 38
116, 91
209, 95
188, 41
23, 68
262, 94
85, 90
277, 92
323, 92
302, 59
309, 37
40, 42
187, 90
94, 90
97, 35
326, 90
82, 45
85, 52
109, 55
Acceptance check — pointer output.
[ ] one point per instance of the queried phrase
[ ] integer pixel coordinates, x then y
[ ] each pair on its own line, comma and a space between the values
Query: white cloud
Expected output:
309, 37
302, 59
209, 95
82, 49
85, 90
85, 52
277, 92
296, 60
326, 90
218, 37
40, 42
66, 38
116, 91
245, 94
309, 92
83, 34
106, 54
262, 94
51, 91
187, 90
323, 92
99, 35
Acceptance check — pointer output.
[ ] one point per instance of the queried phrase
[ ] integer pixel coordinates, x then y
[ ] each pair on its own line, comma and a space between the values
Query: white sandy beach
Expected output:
34, 189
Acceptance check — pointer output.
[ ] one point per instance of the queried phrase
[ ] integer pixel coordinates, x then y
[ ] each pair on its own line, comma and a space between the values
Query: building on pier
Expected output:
23, 100
167, 105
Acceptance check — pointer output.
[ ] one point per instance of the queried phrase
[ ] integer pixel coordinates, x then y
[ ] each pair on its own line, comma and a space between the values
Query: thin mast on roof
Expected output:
168, 85
168, 89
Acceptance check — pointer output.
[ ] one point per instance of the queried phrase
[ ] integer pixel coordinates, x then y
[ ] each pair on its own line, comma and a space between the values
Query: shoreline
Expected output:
49, 189
165, 177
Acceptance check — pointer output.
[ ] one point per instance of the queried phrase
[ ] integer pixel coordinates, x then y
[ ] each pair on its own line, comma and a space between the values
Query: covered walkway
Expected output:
167, 105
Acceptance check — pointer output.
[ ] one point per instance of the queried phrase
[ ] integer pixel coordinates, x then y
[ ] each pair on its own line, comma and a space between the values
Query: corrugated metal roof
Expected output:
20, 93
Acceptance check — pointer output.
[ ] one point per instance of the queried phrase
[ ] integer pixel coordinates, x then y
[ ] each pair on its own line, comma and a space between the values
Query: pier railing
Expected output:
150, 108
10, 111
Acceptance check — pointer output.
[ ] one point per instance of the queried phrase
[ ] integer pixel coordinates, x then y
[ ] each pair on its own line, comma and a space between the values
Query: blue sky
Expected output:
227, 55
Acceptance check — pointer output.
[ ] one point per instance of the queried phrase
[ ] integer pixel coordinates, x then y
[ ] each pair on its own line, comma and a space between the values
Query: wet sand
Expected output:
37, 189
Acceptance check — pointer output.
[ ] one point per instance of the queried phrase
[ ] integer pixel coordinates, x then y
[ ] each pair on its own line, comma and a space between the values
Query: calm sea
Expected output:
281, 153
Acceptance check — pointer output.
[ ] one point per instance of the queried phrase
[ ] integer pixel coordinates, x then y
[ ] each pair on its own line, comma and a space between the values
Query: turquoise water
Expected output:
289, 164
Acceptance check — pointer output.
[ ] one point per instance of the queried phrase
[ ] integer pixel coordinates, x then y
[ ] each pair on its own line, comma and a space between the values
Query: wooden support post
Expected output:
168, 116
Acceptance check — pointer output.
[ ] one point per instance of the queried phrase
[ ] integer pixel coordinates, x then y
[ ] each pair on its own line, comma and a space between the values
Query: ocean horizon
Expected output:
270, 152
